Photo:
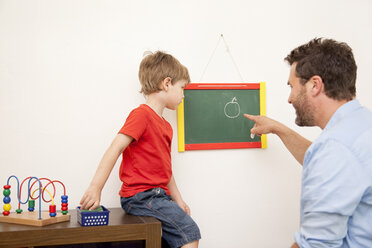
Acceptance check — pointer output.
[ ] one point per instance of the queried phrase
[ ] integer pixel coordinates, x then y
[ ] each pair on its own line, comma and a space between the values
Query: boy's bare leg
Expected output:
193, 244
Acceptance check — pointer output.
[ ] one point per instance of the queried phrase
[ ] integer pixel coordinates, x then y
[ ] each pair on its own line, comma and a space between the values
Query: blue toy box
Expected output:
93, 218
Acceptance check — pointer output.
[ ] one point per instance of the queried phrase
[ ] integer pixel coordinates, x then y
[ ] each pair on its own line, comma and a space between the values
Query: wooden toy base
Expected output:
32, 218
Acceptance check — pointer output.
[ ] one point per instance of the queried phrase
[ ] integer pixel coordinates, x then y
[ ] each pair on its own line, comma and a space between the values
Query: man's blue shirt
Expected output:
336, 197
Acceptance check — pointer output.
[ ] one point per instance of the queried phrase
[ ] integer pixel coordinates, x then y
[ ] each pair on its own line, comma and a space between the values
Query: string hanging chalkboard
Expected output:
211, 115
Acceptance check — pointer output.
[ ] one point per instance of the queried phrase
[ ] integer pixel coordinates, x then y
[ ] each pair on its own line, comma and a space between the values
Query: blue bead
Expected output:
31, 209
64, 197
6, 199
52, 214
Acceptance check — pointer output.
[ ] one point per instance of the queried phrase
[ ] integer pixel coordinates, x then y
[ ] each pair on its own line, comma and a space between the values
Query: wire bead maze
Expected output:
31, 198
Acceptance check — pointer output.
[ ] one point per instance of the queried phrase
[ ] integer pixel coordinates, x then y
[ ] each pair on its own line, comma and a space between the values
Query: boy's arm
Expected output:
92, 196
176, 195
295, 143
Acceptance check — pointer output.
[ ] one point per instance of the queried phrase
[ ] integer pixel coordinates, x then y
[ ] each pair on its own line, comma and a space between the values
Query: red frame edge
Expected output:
236, 86
221, 86
213, 146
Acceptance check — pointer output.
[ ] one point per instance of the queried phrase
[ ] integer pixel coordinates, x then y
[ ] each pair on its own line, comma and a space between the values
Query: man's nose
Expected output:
290, 99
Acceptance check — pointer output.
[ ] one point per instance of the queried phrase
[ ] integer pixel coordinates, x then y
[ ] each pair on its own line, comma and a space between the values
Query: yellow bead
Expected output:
7, 207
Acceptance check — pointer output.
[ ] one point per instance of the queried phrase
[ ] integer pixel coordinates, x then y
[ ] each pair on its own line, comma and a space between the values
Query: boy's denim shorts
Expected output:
178, 228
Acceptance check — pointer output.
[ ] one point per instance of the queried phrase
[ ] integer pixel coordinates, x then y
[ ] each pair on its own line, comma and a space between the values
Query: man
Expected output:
336, 197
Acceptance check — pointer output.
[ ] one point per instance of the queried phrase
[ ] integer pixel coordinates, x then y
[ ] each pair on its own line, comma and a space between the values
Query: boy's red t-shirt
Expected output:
146, 161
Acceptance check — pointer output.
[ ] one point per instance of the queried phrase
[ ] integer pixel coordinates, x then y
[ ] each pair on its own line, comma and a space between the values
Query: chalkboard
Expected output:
211, 116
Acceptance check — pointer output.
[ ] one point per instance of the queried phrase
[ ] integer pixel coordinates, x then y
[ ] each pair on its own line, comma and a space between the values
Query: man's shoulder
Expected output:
351, 133
349, 125
358, 123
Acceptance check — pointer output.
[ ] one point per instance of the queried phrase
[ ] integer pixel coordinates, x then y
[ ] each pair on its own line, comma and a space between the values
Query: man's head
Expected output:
322, 65
158, 66
332, 61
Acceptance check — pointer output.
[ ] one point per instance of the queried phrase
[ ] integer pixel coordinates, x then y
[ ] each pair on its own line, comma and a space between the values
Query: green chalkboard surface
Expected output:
216, 115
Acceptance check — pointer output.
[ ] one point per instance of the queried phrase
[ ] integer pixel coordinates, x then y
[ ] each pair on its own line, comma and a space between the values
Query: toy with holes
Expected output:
30, 217
96, 217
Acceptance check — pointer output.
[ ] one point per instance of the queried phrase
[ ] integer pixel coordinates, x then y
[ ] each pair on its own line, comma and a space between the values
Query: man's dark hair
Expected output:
331, 60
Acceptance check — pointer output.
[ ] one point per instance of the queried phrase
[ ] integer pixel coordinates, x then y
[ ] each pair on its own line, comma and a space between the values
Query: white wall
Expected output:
68, 79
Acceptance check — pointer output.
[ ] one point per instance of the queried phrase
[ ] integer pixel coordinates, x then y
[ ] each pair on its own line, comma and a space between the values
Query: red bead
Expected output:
52, 208
5, 213
6, 186
64, 204
64, 208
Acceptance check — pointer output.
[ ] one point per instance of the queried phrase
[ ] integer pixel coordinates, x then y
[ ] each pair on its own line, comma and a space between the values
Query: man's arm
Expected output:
295, 245
295, 143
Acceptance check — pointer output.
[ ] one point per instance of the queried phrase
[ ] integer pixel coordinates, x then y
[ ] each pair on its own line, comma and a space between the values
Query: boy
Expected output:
149, 188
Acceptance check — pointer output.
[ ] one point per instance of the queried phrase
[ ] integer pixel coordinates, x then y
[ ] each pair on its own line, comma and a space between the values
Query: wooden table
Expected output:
121, 227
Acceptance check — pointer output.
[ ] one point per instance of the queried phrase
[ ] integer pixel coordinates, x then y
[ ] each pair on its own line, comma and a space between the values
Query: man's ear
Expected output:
316, 85
165, 83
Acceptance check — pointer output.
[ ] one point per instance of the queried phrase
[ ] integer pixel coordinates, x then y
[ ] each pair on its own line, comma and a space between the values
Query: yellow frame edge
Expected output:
181, 127
263, 111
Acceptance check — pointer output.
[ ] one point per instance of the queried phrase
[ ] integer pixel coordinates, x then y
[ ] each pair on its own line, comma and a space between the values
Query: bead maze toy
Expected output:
32, 218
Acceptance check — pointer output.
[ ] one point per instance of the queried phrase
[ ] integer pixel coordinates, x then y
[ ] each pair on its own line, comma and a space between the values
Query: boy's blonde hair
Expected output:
157, 66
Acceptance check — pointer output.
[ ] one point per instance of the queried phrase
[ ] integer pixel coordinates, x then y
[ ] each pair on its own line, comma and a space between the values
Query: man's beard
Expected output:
304, 111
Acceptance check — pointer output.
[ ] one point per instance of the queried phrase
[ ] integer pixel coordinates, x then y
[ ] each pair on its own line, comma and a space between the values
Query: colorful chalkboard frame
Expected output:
185, 146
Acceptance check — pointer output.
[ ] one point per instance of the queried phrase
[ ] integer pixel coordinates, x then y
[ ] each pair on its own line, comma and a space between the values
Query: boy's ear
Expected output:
166, 83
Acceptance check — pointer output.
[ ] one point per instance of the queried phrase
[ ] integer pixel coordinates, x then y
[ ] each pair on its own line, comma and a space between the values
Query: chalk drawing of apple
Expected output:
232, 109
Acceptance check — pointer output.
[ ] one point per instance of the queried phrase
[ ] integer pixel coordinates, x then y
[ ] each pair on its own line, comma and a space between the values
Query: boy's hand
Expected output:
184, 206
91, 199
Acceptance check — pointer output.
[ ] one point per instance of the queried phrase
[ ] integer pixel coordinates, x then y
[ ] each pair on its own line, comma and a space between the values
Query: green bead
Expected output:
19, 211
64, 212
31, 203
6, 192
